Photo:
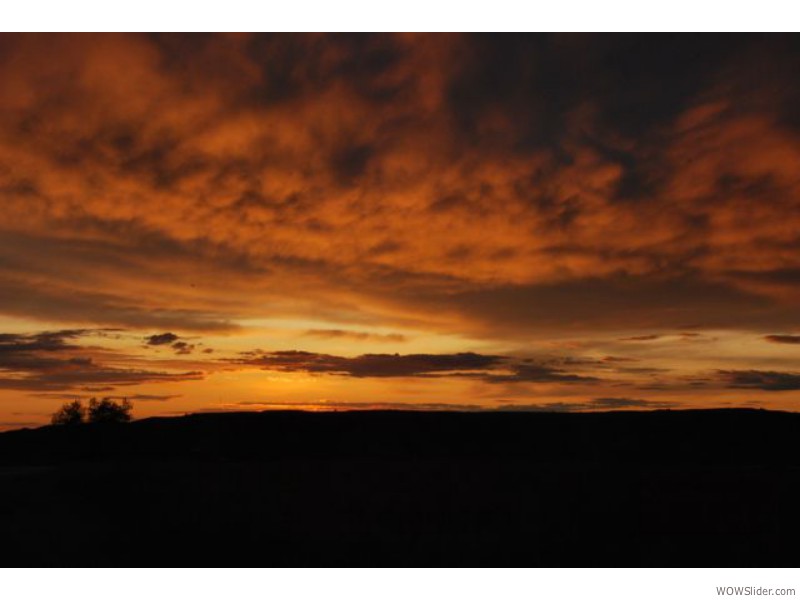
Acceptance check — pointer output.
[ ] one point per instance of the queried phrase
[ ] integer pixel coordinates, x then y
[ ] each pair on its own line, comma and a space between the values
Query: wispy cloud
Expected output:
770, 381
783, 339
356, 335
52, 360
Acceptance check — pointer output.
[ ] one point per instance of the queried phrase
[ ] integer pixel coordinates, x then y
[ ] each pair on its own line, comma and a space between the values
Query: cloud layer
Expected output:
187, 181
51, 361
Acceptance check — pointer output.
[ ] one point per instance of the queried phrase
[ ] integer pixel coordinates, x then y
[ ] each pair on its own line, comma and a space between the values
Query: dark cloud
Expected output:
783, 339
618, 359
51, 360
488, 368
770, 381
350, 163
183, 347
63, 377
538, 373
48, 341
161, 339
545, 78
617, 301
42, 351
136, 397
82, 266
372, 365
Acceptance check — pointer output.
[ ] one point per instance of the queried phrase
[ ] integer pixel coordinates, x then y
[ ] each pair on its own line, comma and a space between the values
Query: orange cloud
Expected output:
494, 190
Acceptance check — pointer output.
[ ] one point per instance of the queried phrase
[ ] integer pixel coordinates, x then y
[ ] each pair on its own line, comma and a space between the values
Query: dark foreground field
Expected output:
684, 488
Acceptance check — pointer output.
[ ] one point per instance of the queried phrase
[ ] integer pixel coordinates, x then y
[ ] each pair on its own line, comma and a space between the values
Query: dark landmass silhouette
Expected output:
665, 488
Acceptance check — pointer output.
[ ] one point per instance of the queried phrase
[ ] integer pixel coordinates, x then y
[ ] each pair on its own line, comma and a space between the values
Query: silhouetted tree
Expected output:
108, 411
71, 413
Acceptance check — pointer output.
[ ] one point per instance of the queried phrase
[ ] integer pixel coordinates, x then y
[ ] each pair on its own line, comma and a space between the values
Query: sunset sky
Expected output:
563, 222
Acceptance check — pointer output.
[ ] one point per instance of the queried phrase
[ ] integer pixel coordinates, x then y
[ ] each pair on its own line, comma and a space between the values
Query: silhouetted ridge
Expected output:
714, 436
680, 488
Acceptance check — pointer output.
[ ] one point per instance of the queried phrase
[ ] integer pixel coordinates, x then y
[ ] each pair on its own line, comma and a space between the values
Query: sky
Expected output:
328, 222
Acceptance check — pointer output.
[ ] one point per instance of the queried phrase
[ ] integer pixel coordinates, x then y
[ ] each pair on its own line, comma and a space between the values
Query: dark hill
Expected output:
679, 488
